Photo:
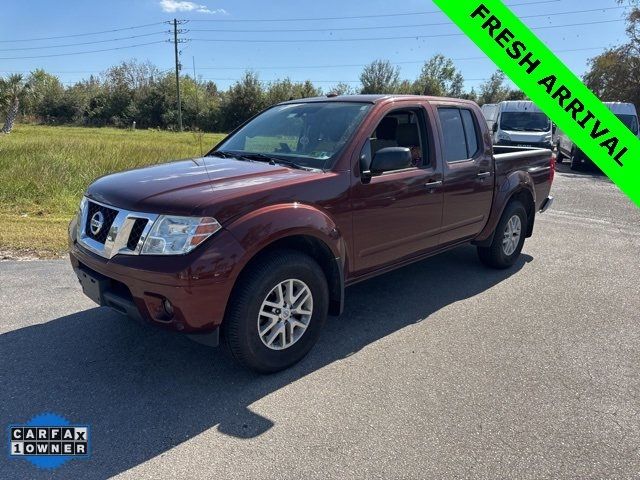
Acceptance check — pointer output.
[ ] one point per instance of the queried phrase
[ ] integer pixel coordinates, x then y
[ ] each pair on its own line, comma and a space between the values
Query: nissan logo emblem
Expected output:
97, 220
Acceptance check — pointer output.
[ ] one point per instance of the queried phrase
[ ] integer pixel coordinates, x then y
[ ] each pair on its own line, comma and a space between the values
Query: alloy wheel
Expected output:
285, 314
512, 234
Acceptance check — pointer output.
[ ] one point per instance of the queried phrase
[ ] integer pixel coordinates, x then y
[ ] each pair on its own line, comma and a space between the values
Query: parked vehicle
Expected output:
566, 149
490, 112
258, 240
522, 124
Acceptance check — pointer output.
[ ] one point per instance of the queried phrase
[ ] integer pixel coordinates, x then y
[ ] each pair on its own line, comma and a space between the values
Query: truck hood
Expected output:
193, 187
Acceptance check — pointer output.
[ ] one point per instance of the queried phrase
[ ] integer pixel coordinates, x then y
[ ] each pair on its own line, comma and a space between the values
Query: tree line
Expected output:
142, 93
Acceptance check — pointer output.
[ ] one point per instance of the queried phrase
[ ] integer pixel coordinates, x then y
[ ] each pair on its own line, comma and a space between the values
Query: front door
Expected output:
399, 213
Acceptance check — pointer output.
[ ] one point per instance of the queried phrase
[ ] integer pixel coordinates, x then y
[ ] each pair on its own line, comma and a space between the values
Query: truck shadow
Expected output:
587, 171
144, 391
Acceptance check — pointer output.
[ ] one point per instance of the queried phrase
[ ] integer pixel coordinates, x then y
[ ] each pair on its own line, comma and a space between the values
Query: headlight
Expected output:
171, 235
81, 209
504, 136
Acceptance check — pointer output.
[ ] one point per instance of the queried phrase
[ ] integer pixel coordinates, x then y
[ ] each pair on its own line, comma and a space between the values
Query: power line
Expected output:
72, 83
413, 62
81, 34
437, 24
324, 81
368, 39
85, 43
75, 35
90, 72
290, 67
83, 52
228, 20
268, 40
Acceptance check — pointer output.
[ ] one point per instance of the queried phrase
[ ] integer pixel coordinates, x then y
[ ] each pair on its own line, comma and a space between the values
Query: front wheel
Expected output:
559, 155
508, 238
276, 312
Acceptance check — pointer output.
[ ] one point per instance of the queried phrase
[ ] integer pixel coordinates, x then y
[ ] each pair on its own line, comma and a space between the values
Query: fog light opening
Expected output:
168, 308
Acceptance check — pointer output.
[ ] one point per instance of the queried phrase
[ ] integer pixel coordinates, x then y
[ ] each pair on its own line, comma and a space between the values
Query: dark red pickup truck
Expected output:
258, 240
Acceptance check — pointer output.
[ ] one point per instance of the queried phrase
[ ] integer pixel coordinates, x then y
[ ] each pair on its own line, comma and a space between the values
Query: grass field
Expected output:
44, 171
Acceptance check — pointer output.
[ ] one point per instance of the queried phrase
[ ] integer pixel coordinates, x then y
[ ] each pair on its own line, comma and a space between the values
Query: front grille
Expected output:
109, 215
136, 233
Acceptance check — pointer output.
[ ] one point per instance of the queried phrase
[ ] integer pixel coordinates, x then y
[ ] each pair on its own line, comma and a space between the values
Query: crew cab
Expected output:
255, 242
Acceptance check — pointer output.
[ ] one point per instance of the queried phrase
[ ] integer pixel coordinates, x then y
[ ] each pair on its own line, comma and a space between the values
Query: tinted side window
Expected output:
401, 128
470, 130
455, 142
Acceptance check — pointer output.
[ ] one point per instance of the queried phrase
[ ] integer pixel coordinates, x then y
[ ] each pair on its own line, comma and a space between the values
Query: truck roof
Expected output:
518, 106
621, 108
375, 99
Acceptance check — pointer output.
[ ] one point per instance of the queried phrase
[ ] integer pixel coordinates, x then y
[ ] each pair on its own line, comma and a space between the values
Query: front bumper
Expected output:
198, 284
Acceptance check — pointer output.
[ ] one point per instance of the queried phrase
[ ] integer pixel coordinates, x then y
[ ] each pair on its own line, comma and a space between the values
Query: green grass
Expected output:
44, 171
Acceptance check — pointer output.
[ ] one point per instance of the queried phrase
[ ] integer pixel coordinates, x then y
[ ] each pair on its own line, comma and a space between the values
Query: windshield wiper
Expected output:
291, 164
221, 154
261, 157
272, 160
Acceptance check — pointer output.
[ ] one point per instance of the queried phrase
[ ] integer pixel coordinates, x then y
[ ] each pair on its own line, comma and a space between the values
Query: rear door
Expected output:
468, 173
399, 213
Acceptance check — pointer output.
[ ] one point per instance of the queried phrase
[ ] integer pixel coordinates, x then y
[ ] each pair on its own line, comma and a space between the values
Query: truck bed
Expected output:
536, 162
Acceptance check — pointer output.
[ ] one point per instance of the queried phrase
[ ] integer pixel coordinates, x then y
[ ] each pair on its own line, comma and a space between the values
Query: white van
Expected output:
566, 149
522, 124
490, 112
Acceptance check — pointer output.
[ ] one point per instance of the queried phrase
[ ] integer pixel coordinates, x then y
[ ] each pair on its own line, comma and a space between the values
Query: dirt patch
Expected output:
29, 255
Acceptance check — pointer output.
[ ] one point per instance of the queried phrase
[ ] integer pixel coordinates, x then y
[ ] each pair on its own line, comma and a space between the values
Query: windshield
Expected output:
525, 121
631, 121
307, 134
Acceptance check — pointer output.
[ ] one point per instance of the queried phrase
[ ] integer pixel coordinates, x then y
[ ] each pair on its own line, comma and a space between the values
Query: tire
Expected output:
576, 161
497, 255
559, 155
248, 311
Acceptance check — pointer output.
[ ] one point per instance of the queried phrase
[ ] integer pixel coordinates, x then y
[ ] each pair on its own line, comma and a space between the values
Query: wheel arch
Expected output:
527, 199
518, 186
302, 228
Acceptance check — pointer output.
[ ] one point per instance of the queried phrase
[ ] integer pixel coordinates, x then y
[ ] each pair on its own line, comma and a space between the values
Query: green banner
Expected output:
530, 64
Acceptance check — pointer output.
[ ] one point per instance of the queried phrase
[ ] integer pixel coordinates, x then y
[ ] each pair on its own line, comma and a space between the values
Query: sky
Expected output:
224, 37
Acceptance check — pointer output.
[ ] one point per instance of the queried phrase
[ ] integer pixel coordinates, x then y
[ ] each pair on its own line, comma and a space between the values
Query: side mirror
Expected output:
390, 158
554, 128
495, 127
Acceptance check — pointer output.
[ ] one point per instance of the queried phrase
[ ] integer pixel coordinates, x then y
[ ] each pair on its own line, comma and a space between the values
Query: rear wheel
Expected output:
576, 160
508, 238
277, 311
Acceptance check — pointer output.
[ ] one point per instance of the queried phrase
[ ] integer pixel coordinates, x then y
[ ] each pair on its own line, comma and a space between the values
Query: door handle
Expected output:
433, 185
484, 174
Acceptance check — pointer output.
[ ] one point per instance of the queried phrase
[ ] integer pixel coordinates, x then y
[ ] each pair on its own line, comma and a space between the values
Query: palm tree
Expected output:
13, 90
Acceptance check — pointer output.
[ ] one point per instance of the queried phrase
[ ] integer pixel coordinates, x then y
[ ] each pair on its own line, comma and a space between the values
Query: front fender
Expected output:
258, 229
514, 183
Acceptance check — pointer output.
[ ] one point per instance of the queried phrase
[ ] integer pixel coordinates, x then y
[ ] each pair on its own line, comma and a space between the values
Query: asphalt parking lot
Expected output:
441, 369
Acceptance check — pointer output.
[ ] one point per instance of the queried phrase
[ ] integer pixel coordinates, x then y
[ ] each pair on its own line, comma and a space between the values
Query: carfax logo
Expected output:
48, 441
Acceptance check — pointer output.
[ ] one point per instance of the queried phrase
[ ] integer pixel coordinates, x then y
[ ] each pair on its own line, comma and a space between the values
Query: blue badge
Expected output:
48, 441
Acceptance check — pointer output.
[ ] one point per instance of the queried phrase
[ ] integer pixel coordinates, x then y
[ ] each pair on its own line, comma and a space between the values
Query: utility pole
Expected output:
177, 54
195, 80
